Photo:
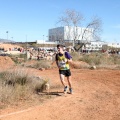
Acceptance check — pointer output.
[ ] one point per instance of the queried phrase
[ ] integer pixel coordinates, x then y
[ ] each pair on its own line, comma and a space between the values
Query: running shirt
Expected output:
62, 60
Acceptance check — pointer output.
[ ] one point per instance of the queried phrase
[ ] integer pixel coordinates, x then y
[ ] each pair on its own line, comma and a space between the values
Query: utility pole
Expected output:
43, 42
7, 34
27, 54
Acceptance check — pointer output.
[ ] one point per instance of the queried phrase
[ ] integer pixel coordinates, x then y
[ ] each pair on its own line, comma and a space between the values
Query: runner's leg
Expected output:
63, 82
69, 81
62, 77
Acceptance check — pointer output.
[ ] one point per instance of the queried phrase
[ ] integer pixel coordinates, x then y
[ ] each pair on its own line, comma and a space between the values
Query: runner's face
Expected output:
60, 49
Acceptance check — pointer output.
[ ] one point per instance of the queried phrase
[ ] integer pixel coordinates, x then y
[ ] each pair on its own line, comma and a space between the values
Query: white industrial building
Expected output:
114, 45
45, 42
94, 46
67, 33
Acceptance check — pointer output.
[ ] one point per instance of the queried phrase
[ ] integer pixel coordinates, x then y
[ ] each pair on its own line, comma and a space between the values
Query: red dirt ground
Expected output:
5, 63
96, 97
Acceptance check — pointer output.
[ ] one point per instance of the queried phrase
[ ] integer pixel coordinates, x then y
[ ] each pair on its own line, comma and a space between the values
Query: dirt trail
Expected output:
96, 97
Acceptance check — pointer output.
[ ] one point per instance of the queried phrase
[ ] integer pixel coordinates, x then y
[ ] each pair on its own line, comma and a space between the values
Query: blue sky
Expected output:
30, 19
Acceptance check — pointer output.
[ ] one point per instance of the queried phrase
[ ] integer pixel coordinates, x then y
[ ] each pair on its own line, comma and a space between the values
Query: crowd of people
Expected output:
42, 54
114, 51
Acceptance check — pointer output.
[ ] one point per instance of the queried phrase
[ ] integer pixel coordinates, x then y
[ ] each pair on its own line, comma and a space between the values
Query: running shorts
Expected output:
67, 73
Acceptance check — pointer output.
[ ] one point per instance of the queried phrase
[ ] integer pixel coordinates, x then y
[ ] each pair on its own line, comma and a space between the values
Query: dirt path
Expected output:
96, 97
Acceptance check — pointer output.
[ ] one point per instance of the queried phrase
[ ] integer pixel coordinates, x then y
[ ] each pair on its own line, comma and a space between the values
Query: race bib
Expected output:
62, 64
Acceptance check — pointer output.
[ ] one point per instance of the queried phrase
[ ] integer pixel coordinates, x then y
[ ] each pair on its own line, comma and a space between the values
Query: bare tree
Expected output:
73, 19
95, 24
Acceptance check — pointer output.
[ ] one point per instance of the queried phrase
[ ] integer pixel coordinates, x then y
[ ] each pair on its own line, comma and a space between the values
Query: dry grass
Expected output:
18, 85
98, 59
39, 64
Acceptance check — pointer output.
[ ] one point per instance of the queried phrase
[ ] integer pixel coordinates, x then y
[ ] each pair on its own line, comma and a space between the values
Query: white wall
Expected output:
94, 45
69, 33
44, 42
115, 45
72, 32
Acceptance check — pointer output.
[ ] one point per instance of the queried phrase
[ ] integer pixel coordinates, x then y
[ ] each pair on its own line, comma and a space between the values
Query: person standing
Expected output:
63, 58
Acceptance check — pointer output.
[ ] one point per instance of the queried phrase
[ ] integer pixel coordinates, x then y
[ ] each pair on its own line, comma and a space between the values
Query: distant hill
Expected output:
6, 41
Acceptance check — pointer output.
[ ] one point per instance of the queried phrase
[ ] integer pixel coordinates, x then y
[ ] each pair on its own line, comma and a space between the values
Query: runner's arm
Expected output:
56, 59
69, 60
68, 57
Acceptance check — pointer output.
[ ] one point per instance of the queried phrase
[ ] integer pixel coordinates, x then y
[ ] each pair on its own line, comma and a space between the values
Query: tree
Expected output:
73, 20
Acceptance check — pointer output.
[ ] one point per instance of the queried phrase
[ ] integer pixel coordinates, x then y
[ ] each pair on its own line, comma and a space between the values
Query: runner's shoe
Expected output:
65, 89
71, 91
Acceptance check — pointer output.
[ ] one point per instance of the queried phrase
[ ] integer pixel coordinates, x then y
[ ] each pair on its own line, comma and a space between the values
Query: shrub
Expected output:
115, 59
92, 59
19, 58
42, 64
39, 86
17, 76
102, 59
75, 56
18, 84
